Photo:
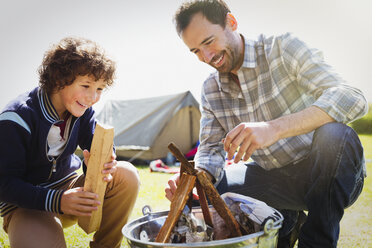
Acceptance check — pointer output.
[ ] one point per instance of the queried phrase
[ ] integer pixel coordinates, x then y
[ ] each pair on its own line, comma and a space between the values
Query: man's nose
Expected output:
207, 55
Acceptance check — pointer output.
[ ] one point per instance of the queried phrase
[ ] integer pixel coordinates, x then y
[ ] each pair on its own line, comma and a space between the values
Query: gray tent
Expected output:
145, 127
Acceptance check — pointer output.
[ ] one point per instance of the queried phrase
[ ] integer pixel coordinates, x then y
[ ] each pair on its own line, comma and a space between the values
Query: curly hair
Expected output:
70, 58
214, 10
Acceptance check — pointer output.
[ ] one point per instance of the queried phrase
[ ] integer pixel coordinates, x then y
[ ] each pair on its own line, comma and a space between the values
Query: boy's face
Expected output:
78, 96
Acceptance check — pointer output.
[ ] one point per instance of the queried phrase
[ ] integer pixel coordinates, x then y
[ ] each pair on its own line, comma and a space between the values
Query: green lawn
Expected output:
356, 226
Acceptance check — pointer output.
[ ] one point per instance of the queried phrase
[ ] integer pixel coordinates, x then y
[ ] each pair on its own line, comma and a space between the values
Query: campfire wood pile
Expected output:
191, 177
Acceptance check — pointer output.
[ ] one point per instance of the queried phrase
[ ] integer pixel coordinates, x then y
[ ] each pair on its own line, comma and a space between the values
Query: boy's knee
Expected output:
127, 174
33, 228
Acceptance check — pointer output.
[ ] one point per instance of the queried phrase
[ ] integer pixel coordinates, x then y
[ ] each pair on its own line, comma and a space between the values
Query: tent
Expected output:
144, 127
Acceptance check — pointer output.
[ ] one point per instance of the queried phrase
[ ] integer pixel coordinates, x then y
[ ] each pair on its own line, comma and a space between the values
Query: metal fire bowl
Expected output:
149, 225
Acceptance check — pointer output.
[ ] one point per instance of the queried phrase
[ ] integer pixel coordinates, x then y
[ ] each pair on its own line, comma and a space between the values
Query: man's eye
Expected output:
208, 42
85, 86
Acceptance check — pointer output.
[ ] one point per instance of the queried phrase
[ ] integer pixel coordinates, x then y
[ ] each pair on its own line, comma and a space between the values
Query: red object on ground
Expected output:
159, 166
192, 152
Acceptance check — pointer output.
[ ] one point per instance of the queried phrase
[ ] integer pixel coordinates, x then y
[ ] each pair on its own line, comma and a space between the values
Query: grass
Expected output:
356, 226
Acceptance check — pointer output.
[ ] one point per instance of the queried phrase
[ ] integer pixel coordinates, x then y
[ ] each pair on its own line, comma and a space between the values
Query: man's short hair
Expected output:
73, 57
214, 10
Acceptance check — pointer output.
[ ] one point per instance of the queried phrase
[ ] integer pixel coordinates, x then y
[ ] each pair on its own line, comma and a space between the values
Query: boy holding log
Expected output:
40, 191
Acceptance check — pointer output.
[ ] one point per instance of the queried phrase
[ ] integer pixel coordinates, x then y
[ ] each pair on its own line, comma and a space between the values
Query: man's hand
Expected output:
78, 202
109, 167
250, 136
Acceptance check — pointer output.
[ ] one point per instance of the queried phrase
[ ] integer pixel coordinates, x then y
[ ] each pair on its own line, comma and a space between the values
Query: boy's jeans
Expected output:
326, 182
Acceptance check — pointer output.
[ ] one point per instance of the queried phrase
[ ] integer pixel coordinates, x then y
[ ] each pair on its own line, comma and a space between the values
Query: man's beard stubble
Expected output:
230, 61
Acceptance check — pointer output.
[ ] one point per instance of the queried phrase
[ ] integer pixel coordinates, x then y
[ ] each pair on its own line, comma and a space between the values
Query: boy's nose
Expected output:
93, 97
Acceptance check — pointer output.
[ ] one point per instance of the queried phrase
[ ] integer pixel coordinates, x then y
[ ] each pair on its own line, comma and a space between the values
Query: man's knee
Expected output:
331, 132
338, 146
331, 137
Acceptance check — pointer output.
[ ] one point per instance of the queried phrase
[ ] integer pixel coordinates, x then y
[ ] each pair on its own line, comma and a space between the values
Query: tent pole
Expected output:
191, 128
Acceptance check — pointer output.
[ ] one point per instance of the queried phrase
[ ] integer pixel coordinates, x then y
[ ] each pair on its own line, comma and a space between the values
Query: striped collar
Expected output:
47, 108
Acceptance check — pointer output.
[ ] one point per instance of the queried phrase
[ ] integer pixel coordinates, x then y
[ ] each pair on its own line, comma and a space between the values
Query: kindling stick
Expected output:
207, 187
178, 204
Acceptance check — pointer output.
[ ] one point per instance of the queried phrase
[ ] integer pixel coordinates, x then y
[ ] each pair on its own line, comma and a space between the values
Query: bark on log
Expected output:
178, 203
219, 204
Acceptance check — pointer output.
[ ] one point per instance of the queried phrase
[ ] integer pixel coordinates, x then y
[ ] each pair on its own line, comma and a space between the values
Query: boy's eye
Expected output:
85, 86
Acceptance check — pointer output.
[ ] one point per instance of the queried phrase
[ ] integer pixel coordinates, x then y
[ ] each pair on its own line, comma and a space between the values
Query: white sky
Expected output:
152, 60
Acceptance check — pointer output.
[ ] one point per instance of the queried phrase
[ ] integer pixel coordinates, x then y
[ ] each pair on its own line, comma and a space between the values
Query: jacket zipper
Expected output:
53, 168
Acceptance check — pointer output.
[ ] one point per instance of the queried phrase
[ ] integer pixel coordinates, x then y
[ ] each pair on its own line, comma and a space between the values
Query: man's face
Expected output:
212, 43
79, 96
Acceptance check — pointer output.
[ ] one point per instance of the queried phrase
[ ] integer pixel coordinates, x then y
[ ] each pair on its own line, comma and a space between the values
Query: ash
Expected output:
190, 229
251, 214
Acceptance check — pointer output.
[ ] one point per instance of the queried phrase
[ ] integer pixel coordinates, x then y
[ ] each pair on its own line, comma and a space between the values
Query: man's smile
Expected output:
218, 61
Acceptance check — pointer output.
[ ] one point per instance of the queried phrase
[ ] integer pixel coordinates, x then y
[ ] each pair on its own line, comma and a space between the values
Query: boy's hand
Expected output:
171, 188
78, 202
109, 168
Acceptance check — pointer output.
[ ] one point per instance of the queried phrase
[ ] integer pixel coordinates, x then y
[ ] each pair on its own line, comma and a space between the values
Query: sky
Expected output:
152, 60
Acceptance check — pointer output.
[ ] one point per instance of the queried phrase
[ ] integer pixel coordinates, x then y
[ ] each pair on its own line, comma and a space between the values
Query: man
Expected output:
276, 101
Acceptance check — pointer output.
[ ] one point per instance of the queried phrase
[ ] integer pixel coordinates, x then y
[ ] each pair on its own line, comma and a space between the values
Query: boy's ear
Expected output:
231, 21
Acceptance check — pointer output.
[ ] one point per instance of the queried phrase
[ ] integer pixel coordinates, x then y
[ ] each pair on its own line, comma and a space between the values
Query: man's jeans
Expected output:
326, 182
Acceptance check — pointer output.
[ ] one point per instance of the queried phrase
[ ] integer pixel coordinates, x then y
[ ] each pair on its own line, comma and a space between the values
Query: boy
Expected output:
40, 190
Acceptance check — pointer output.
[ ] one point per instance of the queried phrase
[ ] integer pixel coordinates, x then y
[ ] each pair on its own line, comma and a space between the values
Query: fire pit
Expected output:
143, 231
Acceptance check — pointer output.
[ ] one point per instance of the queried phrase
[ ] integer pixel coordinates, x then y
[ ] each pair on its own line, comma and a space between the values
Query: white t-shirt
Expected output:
57, 143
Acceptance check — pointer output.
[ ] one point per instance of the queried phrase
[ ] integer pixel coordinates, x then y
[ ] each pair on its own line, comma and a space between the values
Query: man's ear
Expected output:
231, 21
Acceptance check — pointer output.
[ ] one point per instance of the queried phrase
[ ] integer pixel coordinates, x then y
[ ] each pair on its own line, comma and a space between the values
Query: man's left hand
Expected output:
248, 137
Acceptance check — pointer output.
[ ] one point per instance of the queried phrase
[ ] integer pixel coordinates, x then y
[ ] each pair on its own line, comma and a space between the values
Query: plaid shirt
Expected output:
279, 76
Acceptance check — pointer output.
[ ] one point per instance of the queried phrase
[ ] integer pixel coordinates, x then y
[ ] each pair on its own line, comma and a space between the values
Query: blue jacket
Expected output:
29, 178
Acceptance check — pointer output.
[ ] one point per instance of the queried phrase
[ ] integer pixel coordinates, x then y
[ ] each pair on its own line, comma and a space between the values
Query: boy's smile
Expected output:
78, 96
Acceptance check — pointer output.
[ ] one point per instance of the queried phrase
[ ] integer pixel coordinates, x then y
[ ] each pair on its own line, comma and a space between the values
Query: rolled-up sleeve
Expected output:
342, 102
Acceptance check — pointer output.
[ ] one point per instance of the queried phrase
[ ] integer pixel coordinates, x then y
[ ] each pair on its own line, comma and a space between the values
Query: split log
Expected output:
209, 189
178, 203
100, 153
204, 204
218, 203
